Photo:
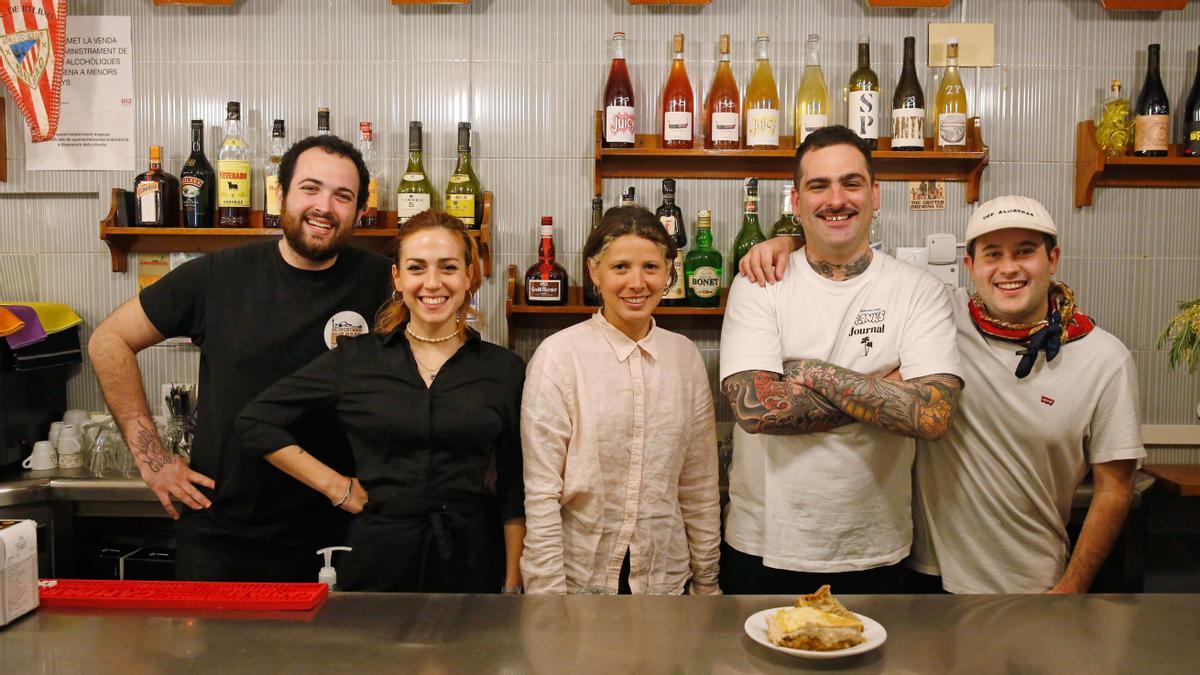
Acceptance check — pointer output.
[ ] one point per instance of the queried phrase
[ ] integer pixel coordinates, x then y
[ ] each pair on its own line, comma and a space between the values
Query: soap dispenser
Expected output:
328, 575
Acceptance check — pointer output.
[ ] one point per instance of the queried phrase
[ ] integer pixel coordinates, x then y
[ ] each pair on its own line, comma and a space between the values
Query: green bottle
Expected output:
464, 197
415, 193
703, 266
787, 225
751, 233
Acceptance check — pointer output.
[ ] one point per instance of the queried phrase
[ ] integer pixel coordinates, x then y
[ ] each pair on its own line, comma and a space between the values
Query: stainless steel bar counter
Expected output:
578, 634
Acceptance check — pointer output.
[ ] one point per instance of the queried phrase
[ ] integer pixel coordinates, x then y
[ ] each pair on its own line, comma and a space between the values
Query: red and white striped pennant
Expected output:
33, 40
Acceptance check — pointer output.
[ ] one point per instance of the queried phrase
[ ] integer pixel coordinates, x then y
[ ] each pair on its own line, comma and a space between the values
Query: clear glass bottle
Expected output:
760, 109
233, 172
678, 103
788, 224
1114, 123
950, 115
812, 96
620, 113
272, 207
366, 146
723, 106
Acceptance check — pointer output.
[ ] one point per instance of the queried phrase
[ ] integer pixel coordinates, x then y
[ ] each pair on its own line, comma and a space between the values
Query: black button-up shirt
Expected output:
417, 449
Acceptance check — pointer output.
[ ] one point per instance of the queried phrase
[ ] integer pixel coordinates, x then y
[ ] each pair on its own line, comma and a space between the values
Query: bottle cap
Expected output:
364, 128
762, 36
864, 39
277, 128
414, 135
197, 123
677, 42
724, 43
155, 153
619, 35
233, 110
464, 136
668, 186
547, 220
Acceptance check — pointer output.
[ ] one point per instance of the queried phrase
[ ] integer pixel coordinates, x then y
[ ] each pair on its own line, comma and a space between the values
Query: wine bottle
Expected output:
322, 121
723, 106
950, 115
787, 225
1114, 123
761, 106
546, 280
619, 110
812, 96
862, 109
233, 172
272, 208
370, 216
1151, 131
1190, 141
415, 192
678, 103
464, 197
198, 183
908, 104
671, 217
751, 232
590, 296
629, 196
702, 266
157, 194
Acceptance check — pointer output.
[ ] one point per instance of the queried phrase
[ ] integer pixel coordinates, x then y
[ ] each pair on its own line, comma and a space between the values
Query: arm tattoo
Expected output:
842, 272
147, 448
766, 403
920, 408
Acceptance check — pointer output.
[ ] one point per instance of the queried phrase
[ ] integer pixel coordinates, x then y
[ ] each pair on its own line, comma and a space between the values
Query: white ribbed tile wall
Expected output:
528, 75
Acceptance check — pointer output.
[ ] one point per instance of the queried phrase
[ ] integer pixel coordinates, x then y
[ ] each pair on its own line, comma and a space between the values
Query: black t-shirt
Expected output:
256, 319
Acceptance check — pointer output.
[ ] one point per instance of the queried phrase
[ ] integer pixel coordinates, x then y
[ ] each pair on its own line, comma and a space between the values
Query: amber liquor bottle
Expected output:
370, 216
546, 280
157, 194
198, 183
272, 202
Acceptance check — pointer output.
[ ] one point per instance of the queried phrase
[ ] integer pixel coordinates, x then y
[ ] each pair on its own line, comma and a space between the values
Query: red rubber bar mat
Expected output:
219, 595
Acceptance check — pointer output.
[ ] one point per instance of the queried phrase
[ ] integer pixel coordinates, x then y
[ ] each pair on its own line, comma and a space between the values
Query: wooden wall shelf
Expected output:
909, 4
123, 240
225, 3
669, 2
1143, 5
521, 315
648, 160
1093, 168
431, 2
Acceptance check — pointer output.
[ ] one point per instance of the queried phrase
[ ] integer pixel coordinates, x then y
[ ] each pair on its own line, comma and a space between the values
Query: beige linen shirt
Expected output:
619, 443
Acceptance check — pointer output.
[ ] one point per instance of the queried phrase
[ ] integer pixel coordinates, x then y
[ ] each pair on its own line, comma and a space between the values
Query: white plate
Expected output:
875, 634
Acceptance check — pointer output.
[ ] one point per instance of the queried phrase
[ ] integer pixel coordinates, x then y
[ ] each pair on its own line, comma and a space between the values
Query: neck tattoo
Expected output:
842, 272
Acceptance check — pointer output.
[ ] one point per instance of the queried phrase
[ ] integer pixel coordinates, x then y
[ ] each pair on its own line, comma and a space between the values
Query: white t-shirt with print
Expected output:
994, 494
838, 500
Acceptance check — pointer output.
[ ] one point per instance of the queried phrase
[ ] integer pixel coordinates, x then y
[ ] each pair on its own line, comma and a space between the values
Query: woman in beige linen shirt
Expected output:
618, 436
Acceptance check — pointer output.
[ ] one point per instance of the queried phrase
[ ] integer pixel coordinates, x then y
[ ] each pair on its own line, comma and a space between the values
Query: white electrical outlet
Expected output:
947, 274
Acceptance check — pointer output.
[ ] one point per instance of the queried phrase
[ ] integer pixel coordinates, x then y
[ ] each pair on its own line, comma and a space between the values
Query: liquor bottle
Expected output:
322, 121
1190, 140
1114, 123
370, 217
1150, 131
702, 267
415, 193
908, 104
950, 115
787, 225
629, 196
812, 96
590, 296
723, 106
619, 109
760, 109
671, 217
464, 198
233, 172
273, 207
198, 183
862, 109
751, 232
157, 194
678, 103
546, 280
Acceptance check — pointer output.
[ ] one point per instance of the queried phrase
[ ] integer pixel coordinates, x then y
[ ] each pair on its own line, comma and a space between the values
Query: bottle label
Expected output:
459, 178
373, 194
863, 113
189, 190
409, 204
461, 207
908, 128
543, 290
233, 183
670, 224
273, 207
952, 129
618, 124
1150, 133
147, 199
677, 126
726, 126
705, 282
676, 290
762, 127
810, 123
414, 177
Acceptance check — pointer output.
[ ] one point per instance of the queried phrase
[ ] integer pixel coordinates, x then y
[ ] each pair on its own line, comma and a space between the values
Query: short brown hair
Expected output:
622, 220
828, 136
394, 312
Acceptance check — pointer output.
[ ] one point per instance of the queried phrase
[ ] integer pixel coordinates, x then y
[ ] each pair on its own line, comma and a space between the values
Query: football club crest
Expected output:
33, 38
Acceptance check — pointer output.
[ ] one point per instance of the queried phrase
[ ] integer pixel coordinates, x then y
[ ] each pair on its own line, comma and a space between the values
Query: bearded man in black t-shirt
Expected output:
257, 312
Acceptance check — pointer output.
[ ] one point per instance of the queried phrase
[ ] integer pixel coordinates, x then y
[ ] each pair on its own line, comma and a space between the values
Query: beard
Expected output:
307, 247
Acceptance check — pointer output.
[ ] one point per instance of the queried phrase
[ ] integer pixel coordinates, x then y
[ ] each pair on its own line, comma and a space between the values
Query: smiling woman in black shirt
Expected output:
431, 413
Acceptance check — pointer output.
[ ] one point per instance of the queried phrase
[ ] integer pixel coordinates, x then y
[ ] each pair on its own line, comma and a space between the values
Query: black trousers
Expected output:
745, 574
199, 558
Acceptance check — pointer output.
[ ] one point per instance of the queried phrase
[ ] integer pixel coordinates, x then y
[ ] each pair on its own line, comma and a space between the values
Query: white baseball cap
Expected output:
1010, 211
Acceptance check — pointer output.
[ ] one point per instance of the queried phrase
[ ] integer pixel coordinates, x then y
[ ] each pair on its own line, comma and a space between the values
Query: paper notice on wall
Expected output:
95, 124
926, 195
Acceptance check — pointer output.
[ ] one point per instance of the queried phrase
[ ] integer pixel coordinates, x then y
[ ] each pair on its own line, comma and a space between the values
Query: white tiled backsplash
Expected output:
528, 75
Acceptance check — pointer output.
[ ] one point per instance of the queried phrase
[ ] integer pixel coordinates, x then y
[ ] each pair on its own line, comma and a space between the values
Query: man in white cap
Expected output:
1046, 393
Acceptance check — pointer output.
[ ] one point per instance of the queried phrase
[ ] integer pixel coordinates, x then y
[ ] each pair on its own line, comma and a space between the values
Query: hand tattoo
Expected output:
767, 403
147, 448
843, 272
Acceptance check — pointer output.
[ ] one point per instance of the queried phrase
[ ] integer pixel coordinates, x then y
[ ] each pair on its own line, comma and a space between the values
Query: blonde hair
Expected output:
394, 312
